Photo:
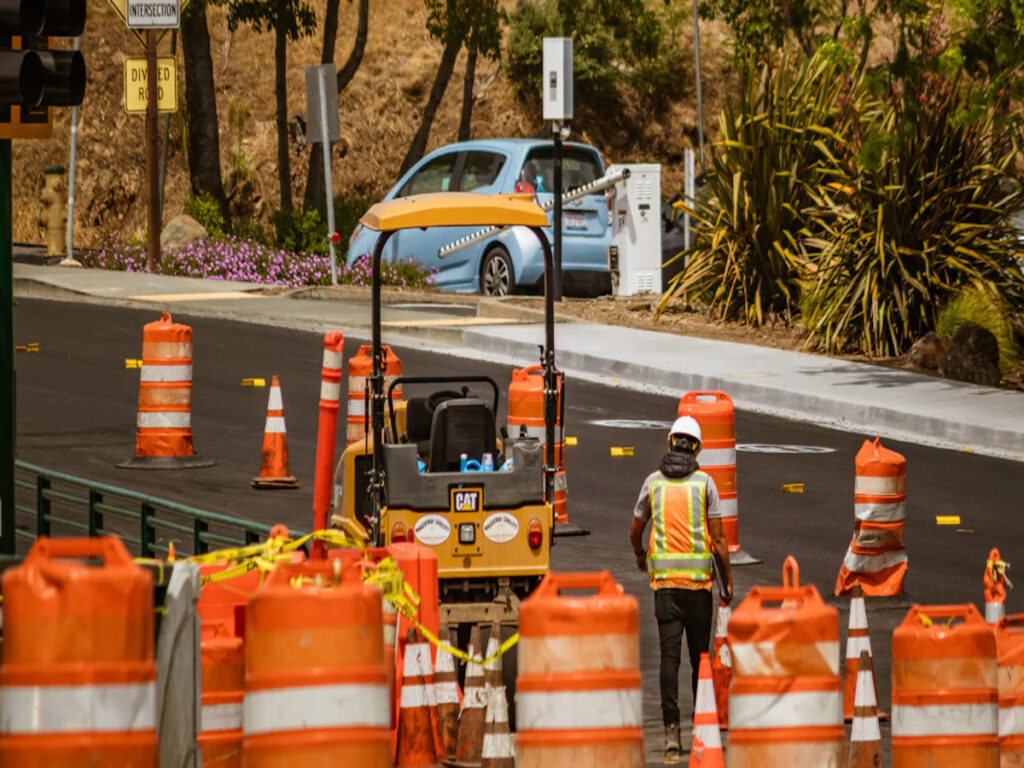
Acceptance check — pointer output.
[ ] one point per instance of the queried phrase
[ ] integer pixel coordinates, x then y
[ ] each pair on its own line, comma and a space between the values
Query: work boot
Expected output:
673, 748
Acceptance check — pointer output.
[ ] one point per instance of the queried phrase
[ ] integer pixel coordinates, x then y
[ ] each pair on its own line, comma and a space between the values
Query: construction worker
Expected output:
681, 502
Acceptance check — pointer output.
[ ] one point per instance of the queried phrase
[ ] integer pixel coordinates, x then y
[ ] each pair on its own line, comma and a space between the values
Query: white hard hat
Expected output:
686, 425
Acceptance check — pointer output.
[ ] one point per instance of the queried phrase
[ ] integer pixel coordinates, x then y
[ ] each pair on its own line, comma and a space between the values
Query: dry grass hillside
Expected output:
379, 113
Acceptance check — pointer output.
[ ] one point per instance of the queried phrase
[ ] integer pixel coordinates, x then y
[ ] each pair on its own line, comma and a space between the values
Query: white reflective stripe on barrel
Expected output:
728, 507
164, 420
943, 719
167, 350
342, 705
881, 513
806, 709
762, 659
873, 563
332, 359
222, 717
1011, 721
166, 373
717, 457
77, 708
357, 407
868, 485
575, 710
275, 425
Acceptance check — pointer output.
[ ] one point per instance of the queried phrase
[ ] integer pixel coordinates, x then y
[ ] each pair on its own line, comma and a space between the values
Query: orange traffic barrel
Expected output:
944, 692
163, 435
78, 681
223, 681
716, 416
316, 689
1010, 656
578, 693
360, 366
785, 700
526, 408
876, 558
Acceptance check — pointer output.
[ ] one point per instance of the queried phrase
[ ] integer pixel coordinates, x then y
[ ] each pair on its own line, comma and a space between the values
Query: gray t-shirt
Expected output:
642, 510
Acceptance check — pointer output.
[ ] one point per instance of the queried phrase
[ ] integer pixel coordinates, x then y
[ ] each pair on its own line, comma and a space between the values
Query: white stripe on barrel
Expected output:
33, 709
342, 705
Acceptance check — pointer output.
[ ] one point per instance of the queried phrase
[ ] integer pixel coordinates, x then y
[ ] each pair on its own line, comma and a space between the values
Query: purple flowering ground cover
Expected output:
248, 261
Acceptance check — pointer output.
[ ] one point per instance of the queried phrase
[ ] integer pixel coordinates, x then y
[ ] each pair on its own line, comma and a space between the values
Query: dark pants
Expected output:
678, 611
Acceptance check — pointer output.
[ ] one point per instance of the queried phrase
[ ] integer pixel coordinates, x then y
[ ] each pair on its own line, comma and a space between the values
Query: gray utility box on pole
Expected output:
635, 259
557, 88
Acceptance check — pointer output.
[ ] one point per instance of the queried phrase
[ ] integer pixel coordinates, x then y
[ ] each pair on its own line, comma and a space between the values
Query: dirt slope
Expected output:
379, 114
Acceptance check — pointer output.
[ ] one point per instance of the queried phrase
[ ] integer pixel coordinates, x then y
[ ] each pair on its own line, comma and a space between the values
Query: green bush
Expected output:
300, 231
348, 208
205, 209
985, 309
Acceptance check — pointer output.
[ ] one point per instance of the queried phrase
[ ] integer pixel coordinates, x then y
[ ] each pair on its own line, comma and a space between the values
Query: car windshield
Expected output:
579, 167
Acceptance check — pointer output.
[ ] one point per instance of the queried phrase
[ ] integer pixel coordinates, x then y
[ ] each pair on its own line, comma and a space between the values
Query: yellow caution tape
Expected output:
947, 519
30, 347
999, 569
132, 363
622, 450
254, 382
793, 488
570, 441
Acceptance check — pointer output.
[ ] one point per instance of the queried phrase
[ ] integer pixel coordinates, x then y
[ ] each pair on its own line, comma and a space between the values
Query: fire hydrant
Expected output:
54, 215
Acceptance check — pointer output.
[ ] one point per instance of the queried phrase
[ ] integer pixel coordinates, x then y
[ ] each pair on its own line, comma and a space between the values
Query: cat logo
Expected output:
467, 499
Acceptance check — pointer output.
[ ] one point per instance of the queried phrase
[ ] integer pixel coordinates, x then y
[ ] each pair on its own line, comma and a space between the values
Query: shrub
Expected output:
348, 208
205, 209
300, 231
985, 309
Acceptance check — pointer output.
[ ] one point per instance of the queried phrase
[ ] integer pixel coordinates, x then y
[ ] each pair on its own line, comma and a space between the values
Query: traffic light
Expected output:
33, 75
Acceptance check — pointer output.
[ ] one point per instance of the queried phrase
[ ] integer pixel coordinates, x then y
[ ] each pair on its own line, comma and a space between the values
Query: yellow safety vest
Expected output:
680, 544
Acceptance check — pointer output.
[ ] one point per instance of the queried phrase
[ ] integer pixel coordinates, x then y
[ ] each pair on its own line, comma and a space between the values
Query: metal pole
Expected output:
700, 103
167, 134
7, 414
69, 252
556, 292
152, 156
688, 191
322, 83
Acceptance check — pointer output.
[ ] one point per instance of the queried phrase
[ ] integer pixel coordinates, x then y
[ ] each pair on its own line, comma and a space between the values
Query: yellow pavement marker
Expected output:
947, 519
793, 488
570, 441
622, 450
254, 382
130, 363
30, 347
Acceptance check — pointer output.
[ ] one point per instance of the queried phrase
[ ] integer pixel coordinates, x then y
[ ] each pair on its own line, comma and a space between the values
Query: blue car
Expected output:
510, 261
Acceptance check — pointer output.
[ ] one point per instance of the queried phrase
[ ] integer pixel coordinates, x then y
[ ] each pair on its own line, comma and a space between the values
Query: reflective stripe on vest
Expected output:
681, 520
77, 708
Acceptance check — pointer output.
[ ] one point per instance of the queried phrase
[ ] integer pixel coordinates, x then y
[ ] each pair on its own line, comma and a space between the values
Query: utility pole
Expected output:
152, 156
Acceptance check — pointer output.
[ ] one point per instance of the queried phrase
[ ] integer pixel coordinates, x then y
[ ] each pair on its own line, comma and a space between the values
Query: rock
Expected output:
181, 231
974, 356
930, 352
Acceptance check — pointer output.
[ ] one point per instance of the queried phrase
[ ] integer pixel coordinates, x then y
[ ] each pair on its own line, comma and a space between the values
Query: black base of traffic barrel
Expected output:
570, 529
167, 462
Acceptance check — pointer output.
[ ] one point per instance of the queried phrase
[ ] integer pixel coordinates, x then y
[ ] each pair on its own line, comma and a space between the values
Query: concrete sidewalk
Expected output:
842, 394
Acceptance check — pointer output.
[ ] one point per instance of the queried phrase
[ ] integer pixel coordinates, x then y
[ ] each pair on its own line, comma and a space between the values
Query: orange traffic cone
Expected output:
995, 583
498, 751
857, 641
706, 751
415, 731
721, 665
274, 473
446, 691
865, 737
469, 749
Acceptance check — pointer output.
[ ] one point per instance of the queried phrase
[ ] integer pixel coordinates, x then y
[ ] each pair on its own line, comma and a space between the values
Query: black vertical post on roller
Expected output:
7, 415
376, 484
556, 161
550, 374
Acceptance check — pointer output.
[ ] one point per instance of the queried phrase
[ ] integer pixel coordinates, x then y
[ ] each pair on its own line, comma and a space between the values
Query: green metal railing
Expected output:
61, 504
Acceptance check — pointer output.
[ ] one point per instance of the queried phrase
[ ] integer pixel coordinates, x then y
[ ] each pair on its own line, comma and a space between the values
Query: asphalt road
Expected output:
76, 413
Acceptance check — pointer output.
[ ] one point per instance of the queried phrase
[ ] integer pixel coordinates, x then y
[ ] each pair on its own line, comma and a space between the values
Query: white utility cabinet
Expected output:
635, 255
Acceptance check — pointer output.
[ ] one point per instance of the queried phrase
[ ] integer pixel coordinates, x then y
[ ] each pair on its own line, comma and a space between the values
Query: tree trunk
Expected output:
203, 137
467, 95
444, 74
314, 195
281, 91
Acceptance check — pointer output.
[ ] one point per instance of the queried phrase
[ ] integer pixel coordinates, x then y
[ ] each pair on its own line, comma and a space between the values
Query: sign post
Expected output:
556, 95
323, 126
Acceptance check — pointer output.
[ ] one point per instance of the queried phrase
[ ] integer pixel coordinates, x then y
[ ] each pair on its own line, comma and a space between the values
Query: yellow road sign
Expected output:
136, 90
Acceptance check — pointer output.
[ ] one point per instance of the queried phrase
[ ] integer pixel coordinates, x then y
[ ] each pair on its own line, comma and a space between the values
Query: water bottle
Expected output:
487, 465
421, 465
508, 465
463, 458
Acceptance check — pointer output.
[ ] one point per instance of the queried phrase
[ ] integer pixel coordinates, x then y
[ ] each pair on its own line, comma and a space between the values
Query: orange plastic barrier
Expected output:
876, 558
163, 436
578, 694
944, 689
994, 582
316, 689
274, 470
78, 681
721, 664
360, 366
716, 415
526, 406
785, 702
1010, 655
223, 676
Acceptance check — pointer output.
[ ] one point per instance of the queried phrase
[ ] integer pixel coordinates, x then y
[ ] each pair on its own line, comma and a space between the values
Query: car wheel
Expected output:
496, 275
